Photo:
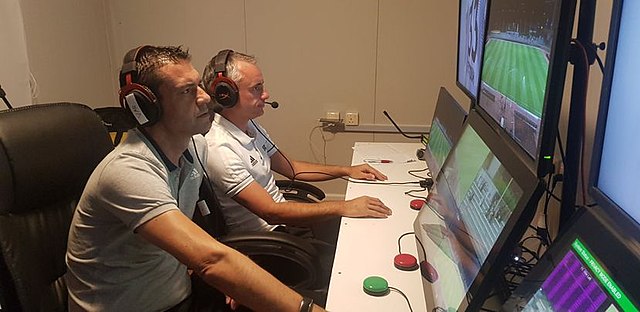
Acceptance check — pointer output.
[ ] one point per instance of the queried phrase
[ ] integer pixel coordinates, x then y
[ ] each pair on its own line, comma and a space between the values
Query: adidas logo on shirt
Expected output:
252, 160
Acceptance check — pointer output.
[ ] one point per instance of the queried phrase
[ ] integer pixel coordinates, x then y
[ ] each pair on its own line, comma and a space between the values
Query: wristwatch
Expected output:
306, 304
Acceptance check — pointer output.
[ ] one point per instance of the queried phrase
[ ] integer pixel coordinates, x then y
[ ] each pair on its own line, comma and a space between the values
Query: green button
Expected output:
375, 286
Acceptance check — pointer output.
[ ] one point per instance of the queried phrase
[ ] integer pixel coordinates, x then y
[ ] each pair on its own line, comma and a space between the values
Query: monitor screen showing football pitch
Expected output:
517, 84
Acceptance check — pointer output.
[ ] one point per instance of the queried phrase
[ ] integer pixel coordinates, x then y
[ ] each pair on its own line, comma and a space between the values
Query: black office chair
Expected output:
116, 120
47, 153
300, 191
293, 260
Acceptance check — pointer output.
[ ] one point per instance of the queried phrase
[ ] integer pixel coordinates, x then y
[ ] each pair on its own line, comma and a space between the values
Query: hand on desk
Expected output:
366, 172
365, 206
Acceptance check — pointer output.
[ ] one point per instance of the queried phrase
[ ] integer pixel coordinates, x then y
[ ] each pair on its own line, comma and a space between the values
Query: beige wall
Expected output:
359, 55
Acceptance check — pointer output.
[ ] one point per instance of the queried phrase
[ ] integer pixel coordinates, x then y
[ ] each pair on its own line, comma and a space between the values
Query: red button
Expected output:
405, 262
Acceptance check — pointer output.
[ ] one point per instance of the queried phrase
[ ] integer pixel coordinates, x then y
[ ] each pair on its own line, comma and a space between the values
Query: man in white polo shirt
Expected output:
245, 156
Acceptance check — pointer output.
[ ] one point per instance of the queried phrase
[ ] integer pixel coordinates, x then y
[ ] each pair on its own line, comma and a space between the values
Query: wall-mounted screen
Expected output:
471, 29
615, 172
523, 71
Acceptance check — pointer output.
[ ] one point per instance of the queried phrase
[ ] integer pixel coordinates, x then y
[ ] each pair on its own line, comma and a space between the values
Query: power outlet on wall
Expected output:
351, 119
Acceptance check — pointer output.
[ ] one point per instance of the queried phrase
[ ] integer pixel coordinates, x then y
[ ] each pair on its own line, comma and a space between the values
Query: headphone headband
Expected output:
223, 90
129, 70
220, 62
138, 99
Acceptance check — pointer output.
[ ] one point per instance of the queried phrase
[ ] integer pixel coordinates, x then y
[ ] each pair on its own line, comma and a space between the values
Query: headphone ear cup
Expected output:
141, 103
225, 91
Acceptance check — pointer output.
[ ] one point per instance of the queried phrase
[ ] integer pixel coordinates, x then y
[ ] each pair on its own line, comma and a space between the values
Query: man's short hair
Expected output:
232, 71
152, 58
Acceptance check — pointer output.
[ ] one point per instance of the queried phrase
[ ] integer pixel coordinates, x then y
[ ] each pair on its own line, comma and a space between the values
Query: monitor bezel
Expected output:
542, 164
612, 245
598, 195
472, 94
492, 268
451, 115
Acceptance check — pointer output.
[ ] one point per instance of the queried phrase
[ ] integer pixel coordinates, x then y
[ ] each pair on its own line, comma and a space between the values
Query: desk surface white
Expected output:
367, 247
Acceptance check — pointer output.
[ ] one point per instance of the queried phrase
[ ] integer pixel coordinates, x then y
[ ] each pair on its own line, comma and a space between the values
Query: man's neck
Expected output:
239, 121
171, 145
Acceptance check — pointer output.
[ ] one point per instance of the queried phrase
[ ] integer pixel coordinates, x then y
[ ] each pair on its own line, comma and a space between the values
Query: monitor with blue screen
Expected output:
615, 170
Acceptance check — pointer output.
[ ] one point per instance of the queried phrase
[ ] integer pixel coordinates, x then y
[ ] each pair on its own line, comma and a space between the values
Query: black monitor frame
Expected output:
450, 115
542, 162
596, 193
491, 270
607, 240
482, 9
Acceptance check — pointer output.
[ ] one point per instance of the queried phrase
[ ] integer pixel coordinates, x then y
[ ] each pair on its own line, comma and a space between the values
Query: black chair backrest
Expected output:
117, 121
47, 153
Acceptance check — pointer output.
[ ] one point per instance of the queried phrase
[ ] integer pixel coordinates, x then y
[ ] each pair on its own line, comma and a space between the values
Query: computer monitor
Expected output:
615, 173
446, 127
592, 266
471, 28
524, 67
481, 204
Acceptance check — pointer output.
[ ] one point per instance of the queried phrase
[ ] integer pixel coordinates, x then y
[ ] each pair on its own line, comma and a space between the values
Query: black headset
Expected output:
136, 98
223, 90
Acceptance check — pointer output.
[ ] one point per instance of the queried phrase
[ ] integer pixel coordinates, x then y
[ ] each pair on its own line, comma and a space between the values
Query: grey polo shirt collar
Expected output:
156, 150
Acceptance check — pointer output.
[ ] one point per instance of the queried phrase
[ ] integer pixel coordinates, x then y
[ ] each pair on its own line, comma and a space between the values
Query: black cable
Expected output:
595, 49
400, 130
409, 193
357, 181
413, 173
3, 95
399, 238
204, 170
273, 145
403, 295
560, 147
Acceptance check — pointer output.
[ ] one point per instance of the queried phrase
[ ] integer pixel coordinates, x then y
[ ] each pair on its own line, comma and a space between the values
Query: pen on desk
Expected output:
378, 161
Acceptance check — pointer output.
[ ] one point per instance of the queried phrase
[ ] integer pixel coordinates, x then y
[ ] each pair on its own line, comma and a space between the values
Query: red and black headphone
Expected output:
223, 90
136, 98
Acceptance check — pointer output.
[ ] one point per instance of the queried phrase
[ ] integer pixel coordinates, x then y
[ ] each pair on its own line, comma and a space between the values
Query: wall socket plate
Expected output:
332, 115
351, 119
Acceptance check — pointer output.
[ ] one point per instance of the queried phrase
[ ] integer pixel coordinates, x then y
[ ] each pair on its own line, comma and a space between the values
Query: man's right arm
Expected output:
220, 266
258, 200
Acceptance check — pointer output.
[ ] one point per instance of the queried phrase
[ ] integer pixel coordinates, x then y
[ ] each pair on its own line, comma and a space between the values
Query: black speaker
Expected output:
223, 90
136, 98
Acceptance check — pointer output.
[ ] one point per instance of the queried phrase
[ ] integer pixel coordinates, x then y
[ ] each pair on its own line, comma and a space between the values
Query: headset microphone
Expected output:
273, 104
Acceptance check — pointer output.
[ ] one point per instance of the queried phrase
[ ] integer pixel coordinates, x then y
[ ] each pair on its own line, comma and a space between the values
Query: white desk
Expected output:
367, 247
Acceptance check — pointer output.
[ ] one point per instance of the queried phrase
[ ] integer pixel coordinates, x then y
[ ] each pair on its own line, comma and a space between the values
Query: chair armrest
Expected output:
300, 191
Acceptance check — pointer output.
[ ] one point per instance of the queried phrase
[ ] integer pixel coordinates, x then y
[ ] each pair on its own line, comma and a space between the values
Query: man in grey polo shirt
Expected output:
132, 243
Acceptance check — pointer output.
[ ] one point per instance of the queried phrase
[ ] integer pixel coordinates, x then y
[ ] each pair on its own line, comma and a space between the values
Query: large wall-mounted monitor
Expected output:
481, 204
471, 29
446, 127
523, 72
615, 169
591, 267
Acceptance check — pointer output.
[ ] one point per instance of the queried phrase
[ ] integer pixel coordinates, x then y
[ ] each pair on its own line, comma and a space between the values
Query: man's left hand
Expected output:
366, 172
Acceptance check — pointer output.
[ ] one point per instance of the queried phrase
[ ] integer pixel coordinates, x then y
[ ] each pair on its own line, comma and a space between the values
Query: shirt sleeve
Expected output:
227, 171
137, 189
